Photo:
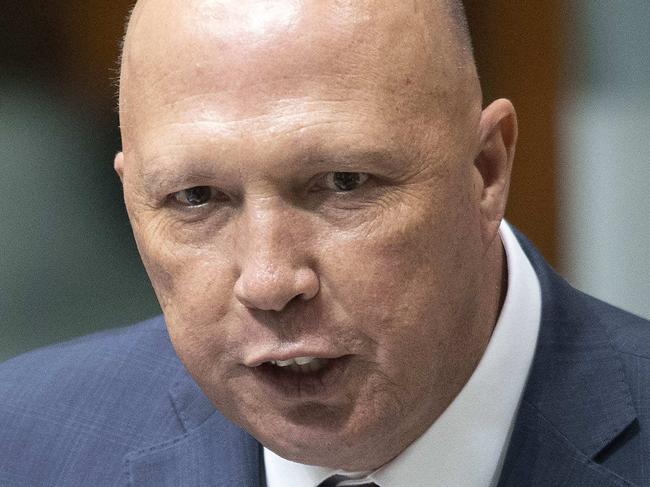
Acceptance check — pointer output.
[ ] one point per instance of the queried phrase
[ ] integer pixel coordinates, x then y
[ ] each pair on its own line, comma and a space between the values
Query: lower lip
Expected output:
293, 385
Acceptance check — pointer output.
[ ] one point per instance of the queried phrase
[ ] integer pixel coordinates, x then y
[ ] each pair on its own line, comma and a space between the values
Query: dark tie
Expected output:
335, 480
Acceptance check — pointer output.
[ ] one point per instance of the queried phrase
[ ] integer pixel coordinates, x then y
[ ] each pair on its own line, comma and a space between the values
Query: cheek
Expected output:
405, 287
390, 264
194, 288
181, 271
162, 279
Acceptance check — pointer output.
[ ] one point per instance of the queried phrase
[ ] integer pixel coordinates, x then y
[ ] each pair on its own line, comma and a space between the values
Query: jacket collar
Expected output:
576, 401
575, 404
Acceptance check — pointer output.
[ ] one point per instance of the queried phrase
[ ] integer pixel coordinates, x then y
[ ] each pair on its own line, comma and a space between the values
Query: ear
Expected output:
493, 165
119, 165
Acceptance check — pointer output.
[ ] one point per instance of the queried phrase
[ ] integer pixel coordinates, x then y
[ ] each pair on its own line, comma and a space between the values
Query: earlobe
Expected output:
119, 165
498, 138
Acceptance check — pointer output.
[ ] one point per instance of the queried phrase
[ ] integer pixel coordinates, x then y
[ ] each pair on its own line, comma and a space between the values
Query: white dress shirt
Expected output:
466, 445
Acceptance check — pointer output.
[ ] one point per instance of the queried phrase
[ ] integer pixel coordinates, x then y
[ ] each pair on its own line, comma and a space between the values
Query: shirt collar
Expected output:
466, 445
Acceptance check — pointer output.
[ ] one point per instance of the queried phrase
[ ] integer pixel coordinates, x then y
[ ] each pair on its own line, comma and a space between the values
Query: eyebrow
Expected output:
175, 174
155, 179
383, 157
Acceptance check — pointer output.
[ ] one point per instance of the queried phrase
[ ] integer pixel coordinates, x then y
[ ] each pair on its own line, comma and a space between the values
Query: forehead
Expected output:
247, 53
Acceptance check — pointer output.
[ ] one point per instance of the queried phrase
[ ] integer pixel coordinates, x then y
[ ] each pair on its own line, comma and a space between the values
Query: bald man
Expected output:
317, 195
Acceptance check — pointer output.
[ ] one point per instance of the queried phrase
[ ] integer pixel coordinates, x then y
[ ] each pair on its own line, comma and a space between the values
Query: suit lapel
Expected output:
576, 402
540, 456
212, 453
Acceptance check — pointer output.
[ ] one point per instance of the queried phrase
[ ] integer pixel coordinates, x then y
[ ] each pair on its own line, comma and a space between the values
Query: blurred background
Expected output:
578, 74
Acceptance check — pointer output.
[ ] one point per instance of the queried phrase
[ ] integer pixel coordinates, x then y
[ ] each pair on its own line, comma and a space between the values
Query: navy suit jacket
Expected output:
118, 408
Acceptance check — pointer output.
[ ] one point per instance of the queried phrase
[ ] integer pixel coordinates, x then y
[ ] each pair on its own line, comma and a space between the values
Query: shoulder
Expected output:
100, 369
629, 336
627, 333
630, 333
76, 405
114, 356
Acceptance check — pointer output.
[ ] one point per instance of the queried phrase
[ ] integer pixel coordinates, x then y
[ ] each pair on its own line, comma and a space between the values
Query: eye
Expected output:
196, 196
345, 181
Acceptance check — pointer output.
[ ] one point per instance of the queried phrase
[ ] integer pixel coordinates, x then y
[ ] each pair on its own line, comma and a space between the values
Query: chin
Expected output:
319, 440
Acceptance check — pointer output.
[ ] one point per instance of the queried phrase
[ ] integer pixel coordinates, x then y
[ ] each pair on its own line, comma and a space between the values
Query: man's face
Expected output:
306, 190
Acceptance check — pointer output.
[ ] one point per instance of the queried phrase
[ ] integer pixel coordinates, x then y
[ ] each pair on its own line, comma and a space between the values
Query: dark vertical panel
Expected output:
519, 53
69, 263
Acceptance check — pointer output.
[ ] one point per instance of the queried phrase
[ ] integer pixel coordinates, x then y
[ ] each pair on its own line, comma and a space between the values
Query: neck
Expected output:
494, 290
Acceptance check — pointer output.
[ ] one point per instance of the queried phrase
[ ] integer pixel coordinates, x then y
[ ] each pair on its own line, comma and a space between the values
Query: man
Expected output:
317, 196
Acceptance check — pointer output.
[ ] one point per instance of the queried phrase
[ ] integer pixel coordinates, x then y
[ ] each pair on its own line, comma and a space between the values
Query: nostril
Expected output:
307, 283
273, 291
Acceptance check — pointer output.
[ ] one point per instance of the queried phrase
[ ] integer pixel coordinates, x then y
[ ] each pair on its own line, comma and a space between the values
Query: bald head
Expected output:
455, 11
423, 45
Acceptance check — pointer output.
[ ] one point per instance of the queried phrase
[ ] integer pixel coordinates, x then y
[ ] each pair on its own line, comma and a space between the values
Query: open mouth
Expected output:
303, 365
304, 376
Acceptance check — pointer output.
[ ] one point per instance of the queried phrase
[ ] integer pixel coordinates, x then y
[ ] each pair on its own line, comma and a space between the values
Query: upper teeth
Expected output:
301, 364
293, 361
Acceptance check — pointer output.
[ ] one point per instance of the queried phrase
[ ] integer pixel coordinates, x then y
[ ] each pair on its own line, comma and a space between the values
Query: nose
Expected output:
274, 266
